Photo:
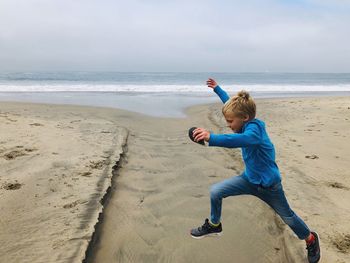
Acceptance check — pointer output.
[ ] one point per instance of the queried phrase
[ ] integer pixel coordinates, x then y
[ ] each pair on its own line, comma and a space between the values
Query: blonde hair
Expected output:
241, 105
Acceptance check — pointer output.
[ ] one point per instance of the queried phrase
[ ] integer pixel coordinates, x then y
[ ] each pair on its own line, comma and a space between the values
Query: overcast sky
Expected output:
164, 35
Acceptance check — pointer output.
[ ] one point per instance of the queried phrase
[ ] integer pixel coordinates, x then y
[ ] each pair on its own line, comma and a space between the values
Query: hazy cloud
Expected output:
297, 36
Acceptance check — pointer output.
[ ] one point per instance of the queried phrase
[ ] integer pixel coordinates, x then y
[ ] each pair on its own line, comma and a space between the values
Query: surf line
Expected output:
90, 251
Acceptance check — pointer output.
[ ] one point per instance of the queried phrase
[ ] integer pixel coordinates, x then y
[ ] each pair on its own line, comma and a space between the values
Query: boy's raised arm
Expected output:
211, 83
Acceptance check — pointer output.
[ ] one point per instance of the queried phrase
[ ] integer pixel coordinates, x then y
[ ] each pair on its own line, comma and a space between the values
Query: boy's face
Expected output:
235, 123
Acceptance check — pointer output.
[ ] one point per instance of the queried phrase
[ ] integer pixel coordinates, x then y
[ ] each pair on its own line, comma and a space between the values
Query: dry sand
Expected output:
56, 165
161, 186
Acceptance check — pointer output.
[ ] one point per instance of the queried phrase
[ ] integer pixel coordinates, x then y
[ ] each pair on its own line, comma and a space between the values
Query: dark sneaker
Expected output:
313, 249
206, 230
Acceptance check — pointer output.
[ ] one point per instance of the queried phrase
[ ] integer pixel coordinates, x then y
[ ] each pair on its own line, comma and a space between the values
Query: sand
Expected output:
57, 164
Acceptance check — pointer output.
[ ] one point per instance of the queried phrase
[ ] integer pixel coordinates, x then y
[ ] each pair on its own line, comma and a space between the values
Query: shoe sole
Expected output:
319, 244
208, 235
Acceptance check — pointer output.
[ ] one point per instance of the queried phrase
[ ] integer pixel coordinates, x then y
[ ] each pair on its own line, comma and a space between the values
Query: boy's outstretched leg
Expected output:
235, 185
275, 197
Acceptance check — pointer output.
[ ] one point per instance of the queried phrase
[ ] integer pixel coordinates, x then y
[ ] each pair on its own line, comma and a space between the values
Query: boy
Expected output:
261, 176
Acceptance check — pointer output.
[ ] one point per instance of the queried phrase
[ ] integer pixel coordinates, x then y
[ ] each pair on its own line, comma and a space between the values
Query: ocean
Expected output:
161, 94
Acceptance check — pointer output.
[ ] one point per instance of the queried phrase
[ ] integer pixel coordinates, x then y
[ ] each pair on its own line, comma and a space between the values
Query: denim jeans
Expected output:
273, 196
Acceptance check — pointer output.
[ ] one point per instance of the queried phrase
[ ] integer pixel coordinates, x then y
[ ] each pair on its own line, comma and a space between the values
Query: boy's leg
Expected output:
275, 197
235, 185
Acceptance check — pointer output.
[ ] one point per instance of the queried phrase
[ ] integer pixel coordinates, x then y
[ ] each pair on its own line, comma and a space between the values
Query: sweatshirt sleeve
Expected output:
251, 136
221, 93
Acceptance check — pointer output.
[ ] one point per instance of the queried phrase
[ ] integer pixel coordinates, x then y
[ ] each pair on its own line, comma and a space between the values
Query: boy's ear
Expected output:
246, 118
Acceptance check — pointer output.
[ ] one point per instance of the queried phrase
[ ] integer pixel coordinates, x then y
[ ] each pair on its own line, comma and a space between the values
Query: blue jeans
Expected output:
273, 196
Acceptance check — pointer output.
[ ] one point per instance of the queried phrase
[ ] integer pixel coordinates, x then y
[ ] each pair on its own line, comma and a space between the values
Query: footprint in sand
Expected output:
29, 150
342, 243
36, 124
14, 154
337, 185
71, 205
98, 164
12, 186
313, 156
74, 204
18, 152
75, 121
85, 174
67, 184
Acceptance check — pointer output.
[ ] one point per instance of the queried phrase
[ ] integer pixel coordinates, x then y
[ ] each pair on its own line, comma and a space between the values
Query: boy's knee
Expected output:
215, 192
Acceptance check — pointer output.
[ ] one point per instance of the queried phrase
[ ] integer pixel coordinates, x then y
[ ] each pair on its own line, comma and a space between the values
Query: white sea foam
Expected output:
167, 88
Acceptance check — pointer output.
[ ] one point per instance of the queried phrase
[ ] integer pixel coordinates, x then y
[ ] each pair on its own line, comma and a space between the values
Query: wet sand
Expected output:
161, 187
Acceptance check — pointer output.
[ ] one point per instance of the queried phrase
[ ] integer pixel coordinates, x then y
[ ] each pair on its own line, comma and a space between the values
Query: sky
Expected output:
175, 36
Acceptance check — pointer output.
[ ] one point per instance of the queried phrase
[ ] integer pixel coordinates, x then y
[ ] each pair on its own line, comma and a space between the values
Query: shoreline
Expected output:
156, 187
148, 103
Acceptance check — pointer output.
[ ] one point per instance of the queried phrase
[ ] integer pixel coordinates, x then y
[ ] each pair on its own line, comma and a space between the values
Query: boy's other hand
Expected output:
211, 83
201, 134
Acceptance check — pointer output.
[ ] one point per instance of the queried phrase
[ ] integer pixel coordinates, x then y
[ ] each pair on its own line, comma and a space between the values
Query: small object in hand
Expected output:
190, 134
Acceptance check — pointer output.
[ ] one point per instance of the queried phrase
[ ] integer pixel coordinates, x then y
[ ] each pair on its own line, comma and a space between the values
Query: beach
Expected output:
96, 184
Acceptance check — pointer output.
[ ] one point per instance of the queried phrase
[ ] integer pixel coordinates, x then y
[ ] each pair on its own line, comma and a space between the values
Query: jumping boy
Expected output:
261, 176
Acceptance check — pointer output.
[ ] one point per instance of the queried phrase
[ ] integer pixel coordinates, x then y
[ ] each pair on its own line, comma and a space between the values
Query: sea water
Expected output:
161, 94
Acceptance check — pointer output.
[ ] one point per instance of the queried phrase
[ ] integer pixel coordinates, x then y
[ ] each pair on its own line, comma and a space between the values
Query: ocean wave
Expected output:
168, 88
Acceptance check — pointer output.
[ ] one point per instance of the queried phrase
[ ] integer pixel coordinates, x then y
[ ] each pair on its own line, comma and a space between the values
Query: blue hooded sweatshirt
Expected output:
257, 150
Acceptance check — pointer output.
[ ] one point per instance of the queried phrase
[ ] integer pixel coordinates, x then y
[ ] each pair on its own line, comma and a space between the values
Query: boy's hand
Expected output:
201, 134
211, 83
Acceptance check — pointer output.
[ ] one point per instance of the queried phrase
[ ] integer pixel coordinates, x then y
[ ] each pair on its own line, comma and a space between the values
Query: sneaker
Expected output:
206, 230
313, 249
